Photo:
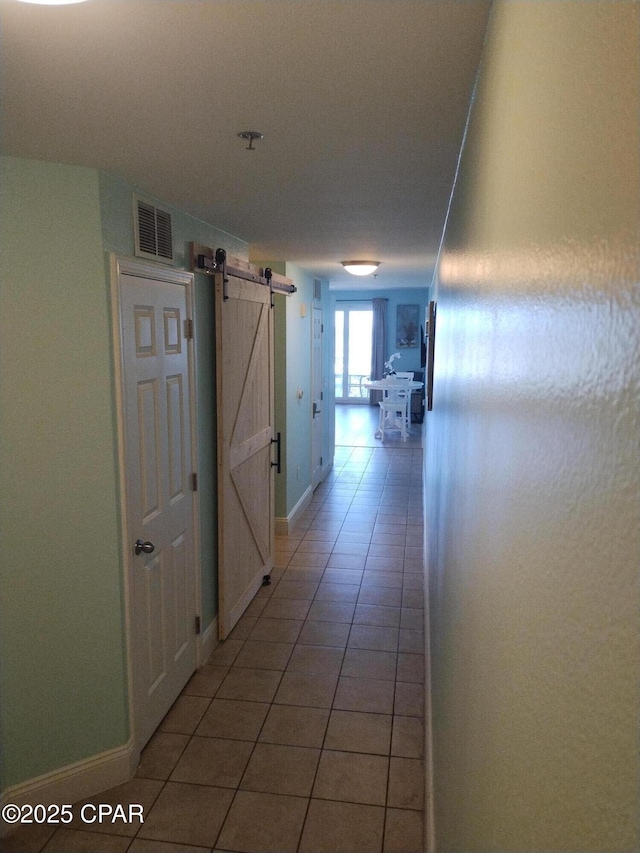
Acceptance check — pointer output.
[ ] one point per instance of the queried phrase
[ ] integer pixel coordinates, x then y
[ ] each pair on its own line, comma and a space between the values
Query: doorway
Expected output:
155, 381
353, 344
317, 399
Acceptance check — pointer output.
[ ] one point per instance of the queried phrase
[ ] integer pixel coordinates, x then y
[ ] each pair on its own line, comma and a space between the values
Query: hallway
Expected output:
304, 731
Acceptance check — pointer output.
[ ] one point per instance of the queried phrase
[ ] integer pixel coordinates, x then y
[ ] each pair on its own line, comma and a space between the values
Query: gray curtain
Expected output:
379, 345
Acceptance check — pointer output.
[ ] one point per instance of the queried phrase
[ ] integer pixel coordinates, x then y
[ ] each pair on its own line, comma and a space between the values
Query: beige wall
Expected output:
532, 447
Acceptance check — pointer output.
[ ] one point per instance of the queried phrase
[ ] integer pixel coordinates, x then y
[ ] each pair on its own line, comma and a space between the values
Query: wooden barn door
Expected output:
244, 373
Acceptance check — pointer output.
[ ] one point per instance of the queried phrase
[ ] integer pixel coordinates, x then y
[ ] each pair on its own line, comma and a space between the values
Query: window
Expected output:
353, 339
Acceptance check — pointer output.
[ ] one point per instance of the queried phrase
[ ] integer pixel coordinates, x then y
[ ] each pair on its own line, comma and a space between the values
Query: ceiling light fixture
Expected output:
250, 135
53, 2
361, 267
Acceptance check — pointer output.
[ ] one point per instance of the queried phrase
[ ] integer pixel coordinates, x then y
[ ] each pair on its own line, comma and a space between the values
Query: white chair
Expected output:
408, 375
394, 408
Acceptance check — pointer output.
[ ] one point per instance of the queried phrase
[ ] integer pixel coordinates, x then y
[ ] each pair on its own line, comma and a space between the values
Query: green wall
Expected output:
117, 204
63, 681
298, 360
292, 373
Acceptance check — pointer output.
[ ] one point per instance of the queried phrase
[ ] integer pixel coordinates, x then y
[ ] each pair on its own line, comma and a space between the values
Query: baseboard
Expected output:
282, 527
246, 599
429, 804
74, 782
429, 795
93, 775
208, 642
286, 526
325, 470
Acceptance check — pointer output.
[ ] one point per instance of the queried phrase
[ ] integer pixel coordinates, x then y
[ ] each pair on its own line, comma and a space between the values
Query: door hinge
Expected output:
197, 624
194, 482
321, 328
321, 460
188, 329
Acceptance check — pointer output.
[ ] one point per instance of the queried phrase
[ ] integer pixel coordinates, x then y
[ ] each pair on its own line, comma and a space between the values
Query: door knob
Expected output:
140, 546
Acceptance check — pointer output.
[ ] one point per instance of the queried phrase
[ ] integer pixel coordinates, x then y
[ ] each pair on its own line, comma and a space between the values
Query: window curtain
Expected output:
378, 346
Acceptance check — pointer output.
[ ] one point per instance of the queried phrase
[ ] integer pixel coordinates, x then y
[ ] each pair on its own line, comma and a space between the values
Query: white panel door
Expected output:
156, 388
244, 375
317, 403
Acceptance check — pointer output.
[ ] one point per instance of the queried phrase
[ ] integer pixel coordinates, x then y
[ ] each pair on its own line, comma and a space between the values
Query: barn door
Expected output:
244, 374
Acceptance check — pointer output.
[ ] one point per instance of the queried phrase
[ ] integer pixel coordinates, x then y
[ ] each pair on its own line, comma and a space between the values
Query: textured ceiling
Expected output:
362, 104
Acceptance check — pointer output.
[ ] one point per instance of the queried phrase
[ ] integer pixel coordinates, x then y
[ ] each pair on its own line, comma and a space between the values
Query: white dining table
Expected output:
390, 385
386, 384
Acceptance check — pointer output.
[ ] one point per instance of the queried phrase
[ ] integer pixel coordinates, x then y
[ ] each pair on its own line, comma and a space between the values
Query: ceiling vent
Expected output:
152, 232
317, 290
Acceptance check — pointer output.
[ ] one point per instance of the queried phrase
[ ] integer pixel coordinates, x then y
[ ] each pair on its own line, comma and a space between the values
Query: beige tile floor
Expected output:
304, 731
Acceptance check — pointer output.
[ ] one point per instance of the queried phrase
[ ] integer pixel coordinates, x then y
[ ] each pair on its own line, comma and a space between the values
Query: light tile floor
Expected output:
304, 732
356, 426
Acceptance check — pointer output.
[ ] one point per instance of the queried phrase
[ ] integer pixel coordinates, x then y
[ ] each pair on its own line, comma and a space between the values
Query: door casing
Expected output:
348, 308
317, 397
121, 266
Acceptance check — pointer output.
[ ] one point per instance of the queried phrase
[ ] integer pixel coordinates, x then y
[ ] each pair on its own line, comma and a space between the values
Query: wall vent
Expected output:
152, 232
317, 290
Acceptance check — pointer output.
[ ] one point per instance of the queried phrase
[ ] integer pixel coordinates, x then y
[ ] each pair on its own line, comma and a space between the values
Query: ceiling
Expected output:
362, 104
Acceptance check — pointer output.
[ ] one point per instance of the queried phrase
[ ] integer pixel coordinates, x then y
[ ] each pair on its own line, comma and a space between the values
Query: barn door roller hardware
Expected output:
204, 259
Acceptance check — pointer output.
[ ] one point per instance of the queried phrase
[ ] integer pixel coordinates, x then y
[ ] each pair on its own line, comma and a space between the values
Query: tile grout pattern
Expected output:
304, 731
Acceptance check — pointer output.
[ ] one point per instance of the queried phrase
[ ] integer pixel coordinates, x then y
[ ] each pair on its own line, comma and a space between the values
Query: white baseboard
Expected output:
429, 790
286, 526
74, 782
208, 642
93, 775
246, 599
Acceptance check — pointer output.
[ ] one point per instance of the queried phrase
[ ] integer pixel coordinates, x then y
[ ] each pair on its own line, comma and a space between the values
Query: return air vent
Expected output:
317, 290
153, 232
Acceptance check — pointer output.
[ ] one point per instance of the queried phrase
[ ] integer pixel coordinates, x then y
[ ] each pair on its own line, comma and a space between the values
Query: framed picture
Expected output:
407, 326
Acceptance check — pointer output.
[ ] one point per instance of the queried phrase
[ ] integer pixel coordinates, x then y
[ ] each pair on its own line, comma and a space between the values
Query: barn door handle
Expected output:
140, 546
277, 464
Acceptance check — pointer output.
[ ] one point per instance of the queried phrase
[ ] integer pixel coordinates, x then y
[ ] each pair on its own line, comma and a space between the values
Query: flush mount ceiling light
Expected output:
361, 267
